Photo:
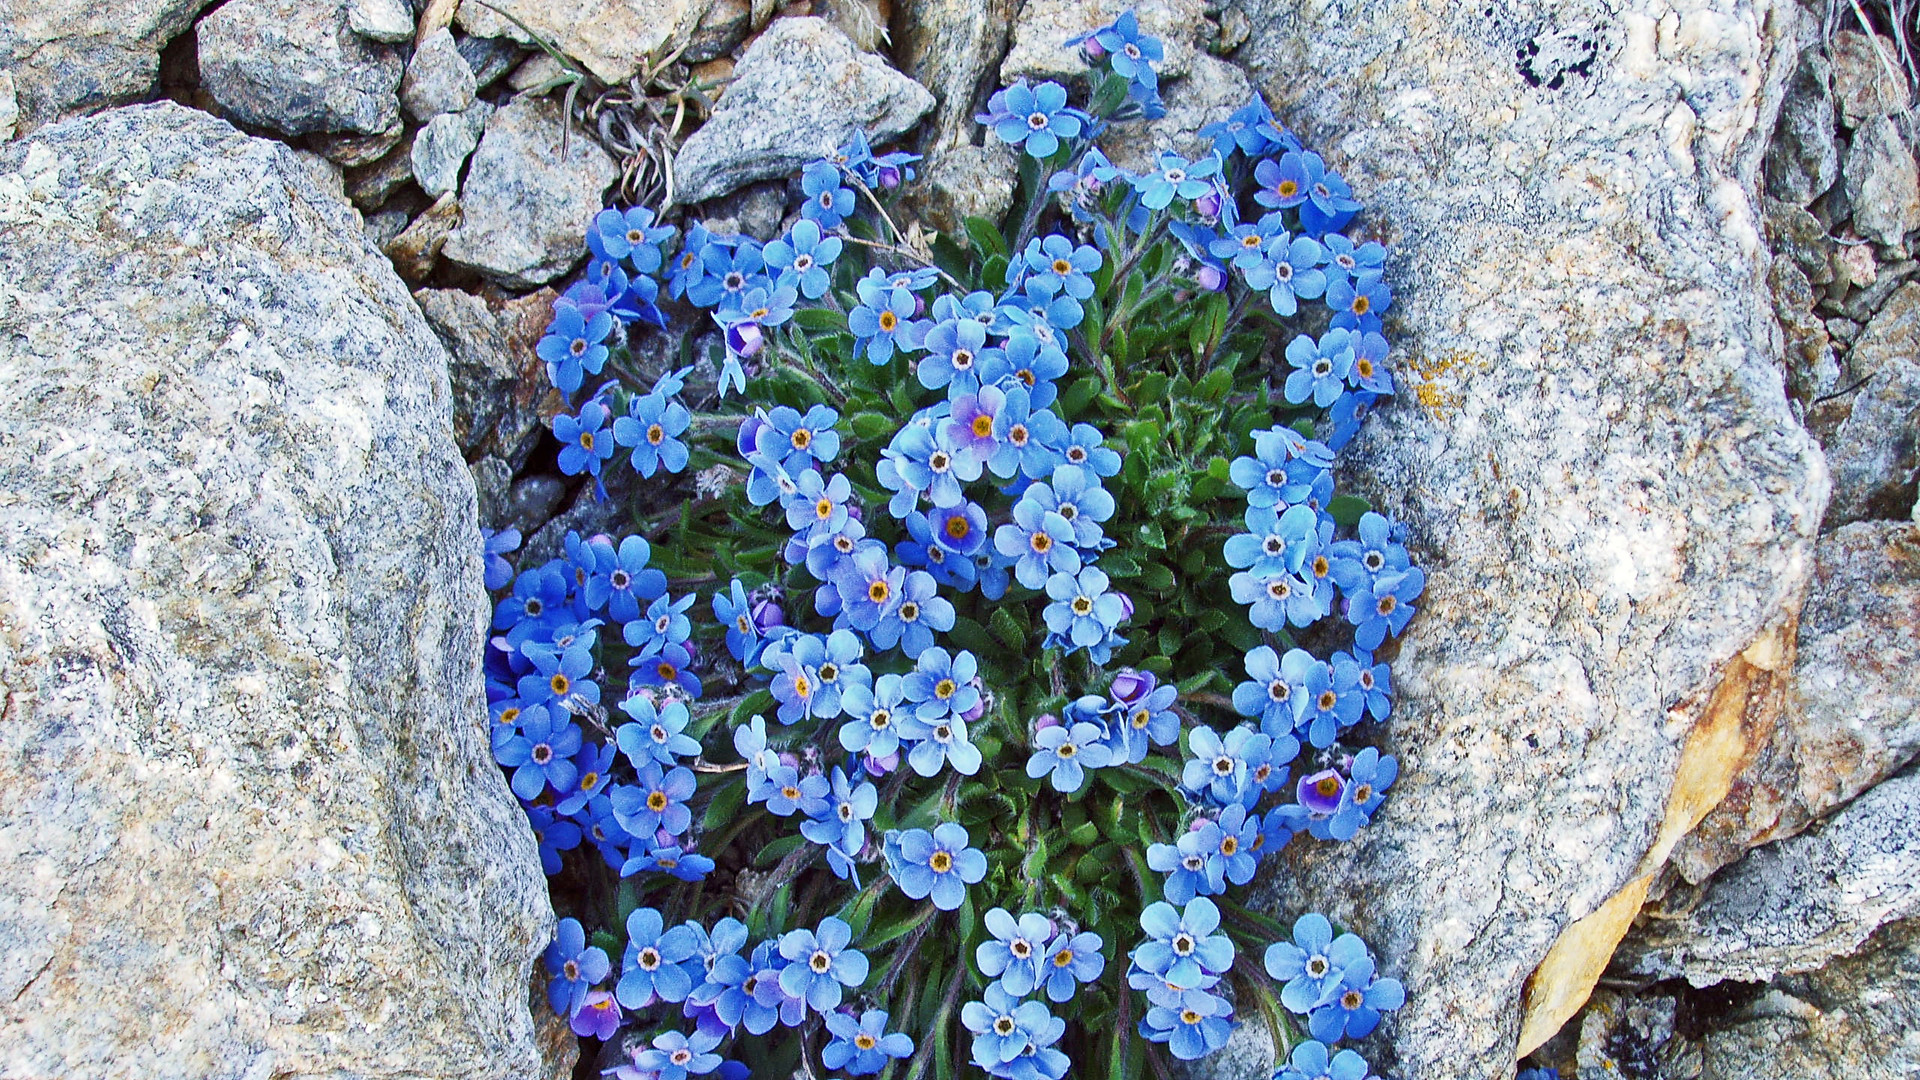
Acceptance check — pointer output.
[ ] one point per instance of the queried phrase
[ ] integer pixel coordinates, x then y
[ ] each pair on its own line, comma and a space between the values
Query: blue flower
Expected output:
1198, 1026
666, 623
1264, 476
1229, 843
574, 346
1374, 680
925, 459
656, 800
1358, 305
1357, 563
1083, 612
673, 1055
1275, 543
1086, 446
1175, 176
843, 824
604, 830
1144, 715
1181, 945
1071, 959
652, 428
1024, 360
942, 685
1369, 372
1276, 598
1367, 782
1345, 260
559, 677
827, 202
1353, 1010
1384, 607
1186, 862
1041, 542
1217, 768
1012, 1038
1289, 272
819, 963
690, 267
1130, 52
1056, 263
940, 864
1284, 183
862, 1047
1320, 370
818, 505
729, 272
769, 1004
669, 859
761, 305
799, 442
939, 741
787, 791
1040, 308
552, 834
620, 586
802, 257
655, 735
1037, 117
1310, 1061
631, 236
584, 441
955, 348
876, 712
734, 613
960, 529
1015, 952
1063, 754
750, 742
869, 587
493, 545
884, 320
1251, 129
576, 967
1025, 438
1311, 964
1330, 204
651, 969
912, 623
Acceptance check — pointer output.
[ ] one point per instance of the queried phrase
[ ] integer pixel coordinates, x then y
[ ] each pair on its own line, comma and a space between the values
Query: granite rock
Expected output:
371, 186
438, 79
443, 146
1793, 905
1209, 90
800, 90
69, 57
1044, 25
1804, 160
252, 825
1874, 449
415, 251
525, 206
501, 397
351, 150
1882, 183
390, 21
1812, 371
952, 47
295, 67
1866, 76
1858, 1017
9, 106
1594, 454
1851, 711
613, 39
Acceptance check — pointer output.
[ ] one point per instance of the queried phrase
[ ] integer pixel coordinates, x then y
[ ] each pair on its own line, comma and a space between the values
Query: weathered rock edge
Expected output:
249, 825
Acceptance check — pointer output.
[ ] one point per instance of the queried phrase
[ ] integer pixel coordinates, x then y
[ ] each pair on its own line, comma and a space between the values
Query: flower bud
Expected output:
1092, 49
889, 177
767, 615
1126, 606
1210, 277
1208, 205
1045, 721
1130, 686
881, 766
745, 339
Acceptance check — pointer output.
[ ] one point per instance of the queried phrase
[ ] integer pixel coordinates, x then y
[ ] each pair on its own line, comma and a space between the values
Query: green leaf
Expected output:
873, 426
1084, 834
727, 800
819, 318
1156, 577
778, 849
971, 635
1076, 397
1111, 94
1220, 469
986, 237
1347, 509
1007, 628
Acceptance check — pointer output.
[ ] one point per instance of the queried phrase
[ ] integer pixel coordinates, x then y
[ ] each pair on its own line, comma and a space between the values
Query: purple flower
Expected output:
599, 1015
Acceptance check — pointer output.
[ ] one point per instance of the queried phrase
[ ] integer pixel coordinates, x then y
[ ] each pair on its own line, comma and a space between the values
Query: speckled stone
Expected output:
800, 90
69, 57
611, 38
295, 67
524, 206
253, 827
1594, 455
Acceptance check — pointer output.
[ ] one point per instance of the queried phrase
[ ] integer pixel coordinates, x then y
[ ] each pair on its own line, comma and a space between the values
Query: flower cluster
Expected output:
1059, 419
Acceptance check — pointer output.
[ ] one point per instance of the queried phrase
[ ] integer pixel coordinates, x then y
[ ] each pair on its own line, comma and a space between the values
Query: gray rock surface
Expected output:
1209, 90
9, 106
1858, 1017
1872, 436
350, 150
1882, 183
501, 398
611, 38
953, 47
1866, 76
1804, 160
1595, 457
1851, 714
525, 207
73, 56
441, 147
249, 823
1043, 25
1792, 906
390, 21
438, 79
801, 89
295, 67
